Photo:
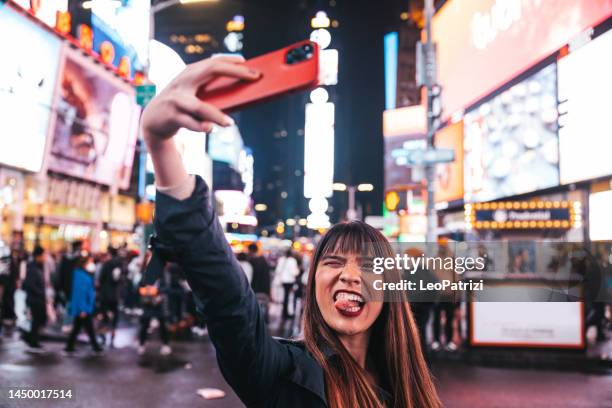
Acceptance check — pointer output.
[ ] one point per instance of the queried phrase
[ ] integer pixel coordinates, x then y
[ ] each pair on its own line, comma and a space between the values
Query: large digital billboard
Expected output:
600, 222
97, 124
510, 141
403, 128
585, 134
484, 44
26, 89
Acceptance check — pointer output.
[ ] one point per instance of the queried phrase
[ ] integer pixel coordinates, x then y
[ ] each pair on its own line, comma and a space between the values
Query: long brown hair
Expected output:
394, 346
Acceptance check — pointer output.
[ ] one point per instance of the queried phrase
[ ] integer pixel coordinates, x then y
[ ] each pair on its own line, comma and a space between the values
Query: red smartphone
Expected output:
289, 69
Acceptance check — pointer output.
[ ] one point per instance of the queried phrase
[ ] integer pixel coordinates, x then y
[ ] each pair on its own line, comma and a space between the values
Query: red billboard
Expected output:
483, 44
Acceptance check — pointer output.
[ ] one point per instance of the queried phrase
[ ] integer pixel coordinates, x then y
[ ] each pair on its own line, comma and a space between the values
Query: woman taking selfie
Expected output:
355, 353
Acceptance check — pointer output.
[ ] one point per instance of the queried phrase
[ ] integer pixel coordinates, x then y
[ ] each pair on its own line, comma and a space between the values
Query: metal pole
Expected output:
432, 219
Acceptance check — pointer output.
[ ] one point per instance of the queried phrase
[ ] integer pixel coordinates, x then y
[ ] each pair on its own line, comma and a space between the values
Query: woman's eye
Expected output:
332, 263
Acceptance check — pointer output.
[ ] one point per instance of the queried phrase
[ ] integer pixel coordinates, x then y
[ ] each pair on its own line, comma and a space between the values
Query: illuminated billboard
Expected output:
26, 89
403, 128
484, 44
96, 124
527, 324
600, 222
510, 141
585, 135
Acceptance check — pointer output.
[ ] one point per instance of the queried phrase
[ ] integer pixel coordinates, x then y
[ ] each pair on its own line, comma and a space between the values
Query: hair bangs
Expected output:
354, 238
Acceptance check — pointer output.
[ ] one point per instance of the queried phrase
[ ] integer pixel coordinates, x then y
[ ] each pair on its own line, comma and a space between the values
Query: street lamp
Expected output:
365, 187
351, 213
339, 187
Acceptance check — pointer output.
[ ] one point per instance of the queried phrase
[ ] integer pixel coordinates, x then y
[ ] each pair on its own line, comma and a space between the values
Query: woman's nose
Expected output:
350, 276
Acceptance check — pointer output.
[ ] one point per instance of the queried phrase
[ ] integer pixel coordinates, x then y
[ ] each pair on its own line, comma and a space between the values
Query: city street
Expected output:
362, 176
121, 378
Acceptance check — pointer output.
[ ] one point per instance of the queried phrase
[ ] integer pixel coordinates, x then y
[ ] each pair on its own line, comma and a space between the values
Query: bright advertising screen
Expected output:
484, 44
527, 324
511, 144
600, 221
26, 89
585, 134
97, 124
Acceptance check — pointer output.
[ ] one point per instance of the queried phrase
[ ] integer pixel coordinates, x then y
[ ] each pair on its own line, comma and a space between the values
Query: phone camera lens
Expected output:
298, 54
307, 48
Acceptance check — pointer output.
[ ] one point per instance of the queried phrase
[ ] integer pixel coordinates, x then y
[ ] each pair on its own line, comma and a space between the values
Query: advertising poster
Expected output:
510, 144
96, 126
484, 44
26, 89
527, 324
403, 129
585, 136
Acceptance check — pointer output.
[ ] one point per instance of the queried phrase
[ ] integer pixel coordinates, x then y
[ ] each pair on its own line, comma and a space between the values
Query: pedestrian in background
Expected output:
287, 271
65, 271
153, 298
446, 304
34, 287
260, 283
16, 262
82, 303
109, 281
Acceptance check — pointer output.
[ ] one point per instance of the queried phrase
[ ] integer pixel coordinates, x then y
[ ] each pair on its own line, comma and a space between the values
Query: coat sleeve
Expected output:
189, 231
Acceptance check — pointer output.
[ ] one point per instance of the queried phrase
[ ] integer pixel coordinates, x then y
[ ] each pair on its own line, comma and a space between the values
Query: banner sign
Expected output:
522, 215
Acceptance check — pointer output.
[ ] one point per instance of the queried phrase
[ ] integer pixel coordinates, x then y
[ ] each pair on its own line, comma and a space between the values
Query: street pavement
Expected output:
121, 378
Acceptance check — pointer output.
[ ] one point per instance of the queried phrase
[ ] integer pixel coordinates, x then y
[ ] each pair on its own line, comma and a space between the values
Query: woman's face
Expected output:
341, 296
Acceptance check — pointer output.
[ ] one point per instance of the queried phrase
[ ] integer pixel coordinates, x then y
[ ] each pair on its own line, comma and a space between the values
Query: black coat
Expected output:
261, 275
34, 284
109, 286
263, 371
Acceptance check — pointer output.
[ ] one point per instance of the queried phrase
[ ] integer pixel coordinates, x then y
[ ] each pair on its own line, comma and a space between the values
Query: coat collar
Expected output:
306, 373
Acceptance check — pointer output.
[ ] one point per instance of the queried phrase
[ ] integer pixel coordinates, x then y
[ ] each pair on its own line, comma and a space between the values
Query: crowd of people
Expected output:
76, 290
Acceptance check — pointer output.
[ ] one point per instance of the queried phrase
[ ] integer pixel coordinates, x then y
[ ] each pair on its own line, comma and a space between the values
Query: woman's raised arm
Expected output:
189, 233
178, 107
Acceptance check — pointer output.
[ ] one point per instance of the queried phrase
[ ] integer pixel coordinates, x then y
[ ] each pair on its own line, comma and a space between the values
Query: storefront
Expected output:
60, 210
532, 247
119, 219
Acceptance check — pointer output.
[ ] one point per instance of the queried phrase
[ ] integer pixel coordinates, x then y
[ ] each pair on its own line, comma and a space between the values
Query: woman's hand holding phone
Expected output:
178, 107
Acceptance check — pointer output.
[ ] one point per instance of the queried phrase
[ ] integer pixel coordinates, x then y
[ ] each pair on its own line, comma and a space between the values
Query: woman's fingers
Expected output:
202, 111
201, 74
187, 121
207, 127
236, 59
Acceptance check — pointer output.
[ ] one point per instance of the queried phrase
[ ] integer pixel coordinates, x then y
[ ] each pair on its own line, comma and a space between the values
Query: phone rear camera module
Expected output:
295, 55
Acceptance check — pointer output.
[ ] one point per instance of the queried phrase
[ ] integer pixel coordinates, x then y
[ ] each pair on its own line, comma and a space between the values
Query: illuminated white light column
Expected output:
318, 157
